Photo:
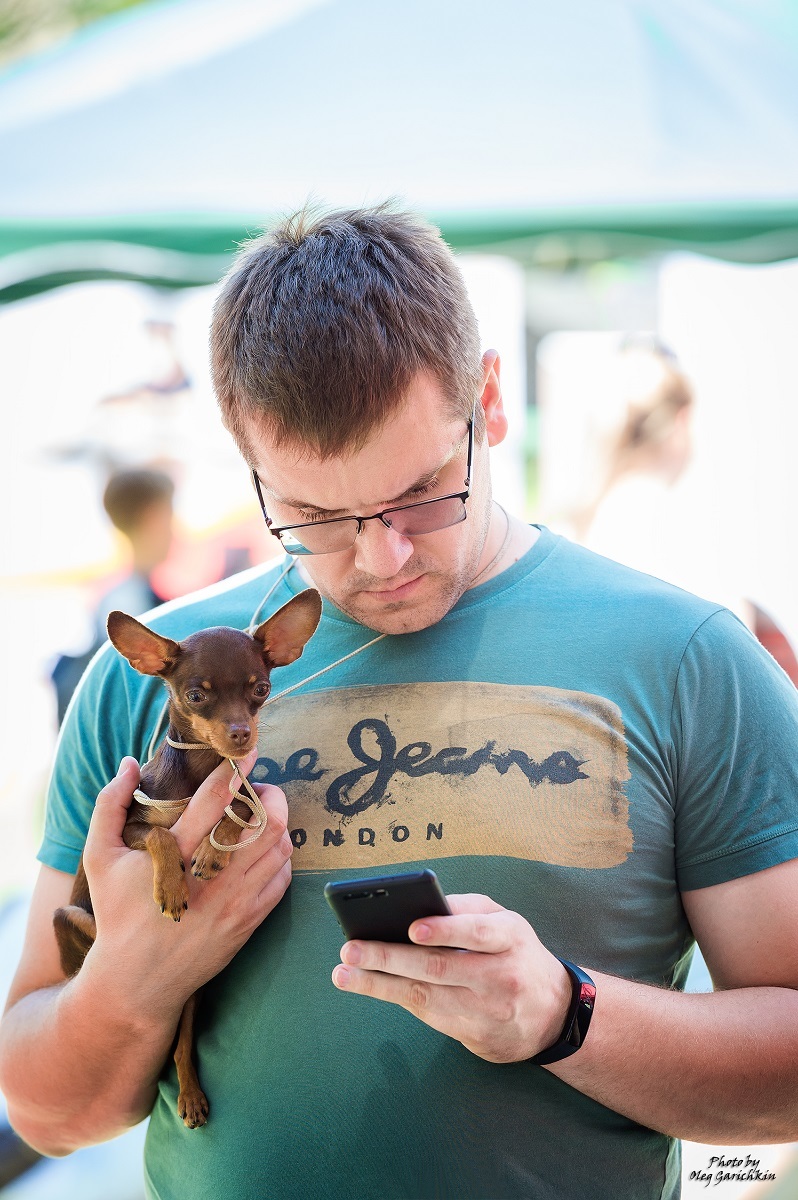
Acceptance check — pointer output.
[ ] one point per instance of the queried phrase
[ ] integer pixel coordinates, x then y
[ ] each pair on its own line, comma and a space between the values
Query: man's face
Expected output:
387, 581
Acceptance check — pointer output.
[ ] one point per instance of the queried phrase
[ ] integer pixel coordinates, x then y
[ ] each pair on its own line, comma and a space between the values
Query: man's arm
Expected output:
718, 1068
80, 1058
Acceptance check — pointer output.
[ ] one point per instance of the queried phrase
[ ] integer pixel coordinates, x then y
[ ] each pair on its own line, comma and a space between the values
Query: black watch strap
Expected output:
577, 1023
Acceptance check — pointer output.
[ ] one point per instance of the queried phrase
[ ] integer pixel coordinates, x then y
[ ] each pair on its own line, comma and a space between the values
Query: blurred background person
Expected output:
139, 502
646, 449
638, 515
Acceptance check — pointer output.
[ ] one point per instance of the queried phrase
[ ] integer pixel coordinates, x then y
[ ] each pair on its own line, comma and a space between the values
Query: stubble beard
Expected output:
409, 616
406, 616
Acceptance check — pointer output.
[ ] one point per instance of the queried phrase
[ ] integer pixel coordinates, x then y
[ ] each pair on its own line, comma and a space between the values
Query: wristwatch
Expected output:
577, 1023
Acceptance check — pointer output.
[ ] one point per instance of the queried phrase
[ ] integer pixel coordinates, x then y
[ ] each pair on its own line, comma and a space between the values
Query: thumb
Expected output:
208, 803
474, 903
111, 811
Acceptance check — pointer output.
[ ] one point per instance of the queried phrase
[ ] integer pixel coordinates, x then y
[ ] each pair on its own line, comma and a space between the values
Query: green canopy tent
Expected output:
147, 146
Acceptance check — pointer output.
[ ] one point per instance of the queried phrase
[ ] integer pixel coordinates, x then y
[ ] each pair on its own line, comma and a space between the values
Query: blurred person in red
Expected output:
139, 502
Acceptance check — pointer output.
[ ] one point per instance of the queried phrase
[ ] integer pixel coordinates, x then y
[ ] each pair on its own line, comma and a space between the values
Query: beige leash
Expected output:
252, 801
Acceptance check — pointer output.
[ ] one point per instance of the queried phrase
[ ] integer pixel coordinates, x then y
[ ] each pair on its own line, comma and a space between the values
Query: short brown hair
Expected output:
322, 324
130, 493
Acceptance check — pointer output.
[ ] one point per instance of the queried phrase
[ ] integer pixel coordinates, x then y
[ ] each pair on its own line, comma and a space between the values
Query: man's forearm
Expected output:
718, 1068
79, 1062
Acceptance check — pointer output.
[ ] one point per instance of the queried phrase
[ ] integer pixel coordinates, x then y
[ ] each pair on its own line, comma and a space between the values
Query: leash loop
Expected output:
252, 801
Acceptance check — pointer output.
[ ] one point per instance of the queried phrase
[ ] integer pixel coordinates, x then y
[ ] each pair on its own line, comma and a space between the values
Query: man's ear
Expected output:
491, 398
145, 650
284, 635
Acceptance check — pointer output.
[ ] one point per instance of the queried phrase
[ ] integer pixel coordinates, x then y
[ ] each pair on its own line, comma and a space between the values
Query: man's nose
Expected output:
381, 552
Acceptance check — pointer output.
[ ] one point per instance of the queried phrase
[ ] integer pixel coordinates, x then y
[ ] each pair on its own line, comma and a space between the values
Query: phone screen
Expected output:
382, 909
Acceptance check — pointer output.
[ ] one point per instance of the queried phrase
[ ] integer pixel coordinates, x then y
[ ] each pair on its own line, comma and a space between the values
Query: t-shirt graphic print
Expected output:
379, 775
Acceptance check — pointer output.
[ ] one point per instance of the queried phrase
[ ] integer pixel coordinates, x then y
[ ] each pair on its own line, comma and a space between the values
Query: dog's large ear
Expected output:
145, 650
284, 635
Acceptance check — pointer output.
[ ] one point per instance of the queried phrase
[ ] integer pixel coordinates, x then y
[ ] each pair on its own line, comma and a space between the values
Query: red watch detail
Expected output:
577, 1022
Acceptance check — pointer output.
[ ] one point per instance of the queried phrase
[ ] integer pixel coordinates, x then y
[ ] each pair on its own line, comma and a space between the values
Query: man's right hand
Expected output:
80, 1059
172, 960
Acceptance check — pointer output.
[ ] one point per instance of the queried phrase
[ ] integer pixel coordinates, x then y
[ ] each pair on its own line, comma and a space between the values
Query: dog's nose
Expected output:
239, 734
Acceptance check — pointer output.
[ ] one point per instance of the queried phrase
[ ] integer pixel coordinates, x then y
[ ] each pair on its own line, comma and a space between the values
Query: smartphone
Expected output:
383, 909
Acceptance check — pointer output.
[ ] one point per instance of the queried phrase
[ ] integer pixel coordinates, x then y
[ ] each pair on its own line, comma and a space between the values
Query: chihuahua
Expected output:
217, 680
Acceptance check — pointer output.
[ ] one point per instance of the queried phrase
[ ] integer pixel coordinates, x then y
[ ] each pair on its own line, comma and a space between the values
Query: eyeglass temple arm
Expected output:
259, 493
470, 457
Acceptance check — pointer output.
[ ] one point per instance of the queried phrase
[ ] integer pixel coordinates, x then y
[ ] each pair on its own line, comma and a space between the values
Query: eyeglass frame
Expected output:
279, 530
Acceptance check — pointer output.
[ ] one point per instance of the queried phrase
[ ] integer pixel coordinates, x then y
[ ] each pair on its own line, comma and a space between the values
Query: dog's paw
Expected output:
192, 1108
171, 896
208, 861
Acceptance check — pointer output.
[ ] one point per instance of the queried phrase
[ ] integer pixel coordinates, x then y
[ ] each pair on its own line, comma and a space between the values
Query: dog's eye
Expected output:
260, 691
195, 696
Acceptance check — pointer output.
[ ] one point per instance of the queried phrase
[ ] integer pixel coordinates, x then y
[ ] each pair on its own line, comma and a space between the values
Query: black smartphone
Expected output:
383, 909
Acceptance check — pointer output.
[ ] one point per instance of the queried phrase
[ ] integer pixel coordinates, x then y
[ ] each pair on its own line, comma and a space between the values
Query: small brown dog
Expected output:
217, 680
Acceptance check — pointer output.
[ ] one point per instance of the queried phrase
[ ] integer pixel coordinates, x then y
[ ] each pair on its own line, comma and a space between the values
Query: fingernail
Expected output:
341, 977
124, 767
352, 954
421, 933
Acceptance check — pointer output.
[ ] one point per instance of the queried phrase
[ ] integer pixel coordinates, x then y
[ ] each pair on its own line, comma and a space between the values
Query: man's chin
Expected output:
399, 616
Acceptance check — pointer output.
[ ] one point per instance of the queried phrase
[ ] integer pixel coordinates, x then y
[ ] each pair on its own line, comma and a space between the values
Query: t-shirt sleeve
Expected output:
96, 734
735, 735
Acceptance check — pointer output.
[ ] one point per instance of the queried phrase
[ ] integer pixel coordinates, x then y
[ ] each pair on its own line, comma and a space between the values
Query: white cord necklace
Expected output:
499, 553
253, 620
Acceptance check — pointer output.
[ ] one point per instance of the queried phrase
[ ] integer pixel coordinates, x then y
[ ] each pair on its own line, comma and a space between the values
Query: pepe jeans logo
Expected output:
378, 775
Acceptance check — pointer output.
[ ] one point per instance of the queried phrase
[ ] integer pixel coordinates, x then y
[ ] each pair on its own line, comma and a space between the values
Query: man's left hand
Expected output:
481, 976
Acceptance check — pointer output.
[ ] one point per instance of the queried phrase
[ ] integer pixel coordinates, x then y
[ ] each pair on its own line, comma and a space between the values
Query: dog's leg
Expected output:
192, 1106
75, 931
169, 885
208, 861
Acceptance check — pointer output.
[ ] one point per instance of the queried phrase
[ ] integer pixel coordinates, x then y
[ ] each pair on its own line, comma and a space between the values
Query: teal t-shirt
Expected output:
578, 741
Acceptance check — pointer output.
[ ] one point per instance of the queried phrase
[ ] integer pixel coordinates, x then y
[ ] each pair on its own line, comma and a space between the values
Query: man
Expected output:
597, 765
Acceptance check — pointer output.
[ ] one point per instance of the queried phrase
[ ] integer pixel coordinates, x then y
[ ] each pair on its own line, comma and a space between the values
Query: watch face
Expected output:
587, 994
584, 1011
583, 999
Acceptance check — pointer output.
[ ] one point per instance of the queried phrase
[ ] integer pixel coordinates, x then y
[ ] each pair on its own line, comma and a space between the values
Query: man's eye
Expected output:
261, 691
195, 696
312, 517
426, 487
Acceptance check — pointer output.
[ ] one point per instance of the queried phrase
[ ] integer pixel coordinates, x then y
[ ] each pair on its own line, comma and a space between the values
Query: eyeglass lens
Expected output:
330, 536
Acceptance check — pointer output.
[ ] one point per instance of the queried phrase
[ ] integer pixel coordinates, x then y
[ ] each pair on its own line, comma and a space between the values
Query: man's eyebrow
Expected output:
308, 506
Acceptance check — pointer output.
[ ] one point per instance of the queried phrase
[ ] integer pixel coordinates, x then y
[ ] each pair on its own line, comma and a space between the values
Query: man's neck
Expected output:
508, 540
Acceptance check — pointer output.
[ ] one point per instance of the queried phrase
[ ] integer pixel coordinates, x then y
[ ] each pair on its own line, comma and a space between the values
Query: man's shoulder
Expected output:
607, 585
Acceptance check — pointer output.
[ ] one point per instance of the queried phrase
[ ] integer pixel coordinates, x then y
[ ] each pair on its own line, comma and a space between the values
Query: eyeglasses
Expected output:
411, 520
